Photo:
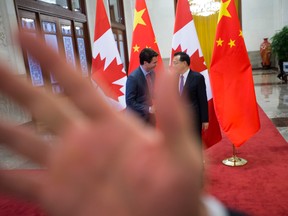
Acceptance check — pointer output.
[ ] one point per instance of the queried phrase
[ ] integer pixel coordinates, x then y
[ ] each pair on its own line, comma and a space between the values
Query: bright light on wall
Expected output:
204, 7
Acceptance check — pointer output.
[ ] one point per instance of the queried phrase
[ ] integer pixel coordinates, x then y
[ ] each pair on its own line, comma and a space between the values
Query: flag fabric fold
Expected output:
143, 36
231, 79
107, 68
185, 39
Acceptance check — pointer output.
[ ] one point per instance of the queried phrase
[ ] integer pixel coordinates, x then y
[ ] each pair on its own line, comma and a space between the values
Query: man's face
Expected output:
150, 66
178, 66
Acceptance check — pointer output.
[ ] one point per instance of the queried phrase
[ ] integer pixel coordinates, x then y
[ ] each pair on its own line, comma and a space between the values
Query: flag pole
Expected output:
234, 160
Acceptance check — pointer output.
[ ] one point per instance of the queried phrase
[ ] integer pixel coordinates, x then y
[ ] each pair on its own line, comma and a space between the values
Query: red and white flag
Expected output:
143, 36
107, 67
185, 39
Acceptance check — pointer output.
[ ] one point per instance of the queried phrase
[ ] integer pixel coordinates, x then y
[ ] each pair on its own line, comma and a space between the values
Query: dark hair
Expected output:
183, 57
146, 55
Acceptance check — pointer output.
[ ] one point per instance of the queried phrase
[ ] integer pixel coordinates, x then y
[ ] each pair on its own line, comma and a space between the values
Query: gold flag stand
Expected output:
234, 160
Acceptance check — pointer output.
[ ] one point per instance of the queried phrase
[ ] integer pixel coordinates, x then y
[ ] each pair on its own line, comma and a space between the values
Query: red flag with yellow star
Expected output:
231, 79
143, 36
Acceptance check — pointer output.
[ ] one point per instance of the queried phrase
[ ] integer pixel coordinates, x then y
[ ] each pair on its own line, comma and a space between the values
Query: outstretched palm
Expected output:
101, 162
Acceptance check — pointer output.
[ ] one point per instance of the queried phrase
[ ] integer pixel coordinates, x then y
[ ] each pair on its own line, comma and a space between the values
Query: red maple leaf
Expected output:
106, 78
178, 49
197, 63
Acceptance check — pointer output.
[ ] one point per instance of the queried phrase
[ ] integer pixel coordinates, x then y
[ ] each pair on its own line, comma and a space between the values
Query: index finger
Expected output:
40, 105
76, 88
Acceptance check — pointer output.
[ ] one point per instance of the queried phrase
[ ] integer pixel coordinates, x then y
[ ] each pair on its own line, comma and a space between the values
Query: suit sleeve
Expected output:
132, 97
202, 97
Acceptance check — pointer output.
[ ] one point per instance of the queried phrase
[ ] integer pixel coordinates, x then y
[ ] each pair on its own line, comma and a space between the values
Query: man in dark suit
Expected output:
193, 89
139, 86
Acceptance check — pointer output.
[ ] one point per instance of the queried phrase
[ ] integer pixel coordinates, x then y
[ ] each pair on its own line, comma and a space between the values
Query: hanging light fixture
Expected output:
204, 7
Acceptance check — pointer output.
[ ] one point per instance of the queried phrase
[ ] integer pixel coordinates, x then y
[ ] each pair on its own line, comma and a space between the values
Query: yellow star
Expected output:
231, 43
138, 18
240, 33
136, 48
219, 42
224, 10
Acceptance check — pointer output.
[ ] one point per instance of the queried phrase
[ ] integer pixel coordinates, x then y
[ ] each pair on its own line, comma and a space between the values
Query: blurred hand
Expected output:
101, 162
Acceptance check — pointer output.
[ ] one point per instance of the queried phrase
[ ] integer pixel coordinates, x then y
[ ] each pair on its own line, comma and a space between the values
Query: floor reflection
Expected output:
272, 96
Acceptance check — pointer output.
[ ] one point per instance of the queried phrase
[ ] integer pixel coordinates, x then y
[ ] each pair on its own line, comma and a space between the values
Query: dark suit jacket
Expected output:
137, 95
194, 92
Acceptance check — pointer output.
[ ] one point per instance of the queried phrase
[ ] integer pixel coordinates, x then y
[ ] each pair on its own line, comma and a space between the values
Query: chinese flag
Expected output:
185, 39
143, 36
231, 79
107, 68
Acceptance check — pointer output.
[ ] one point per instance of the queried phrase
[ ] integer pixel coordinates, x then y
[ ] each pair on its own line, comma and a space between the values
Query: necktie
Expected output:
181, 84
149, 83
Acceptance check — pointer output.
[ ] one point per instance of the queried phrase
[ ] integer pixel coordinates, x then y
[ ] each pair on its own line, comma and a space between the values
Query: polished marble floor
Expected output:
272, 96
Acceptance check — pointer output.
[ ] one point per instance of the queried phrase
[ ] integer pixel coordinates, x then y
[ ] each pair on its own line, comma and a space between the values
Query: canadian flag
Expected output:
185, 39
107, 68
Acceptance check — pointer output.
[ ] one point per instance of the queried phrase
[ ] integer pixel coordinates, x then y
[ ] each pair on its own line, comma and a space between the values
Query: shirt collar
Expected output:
144, 71
185, 74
